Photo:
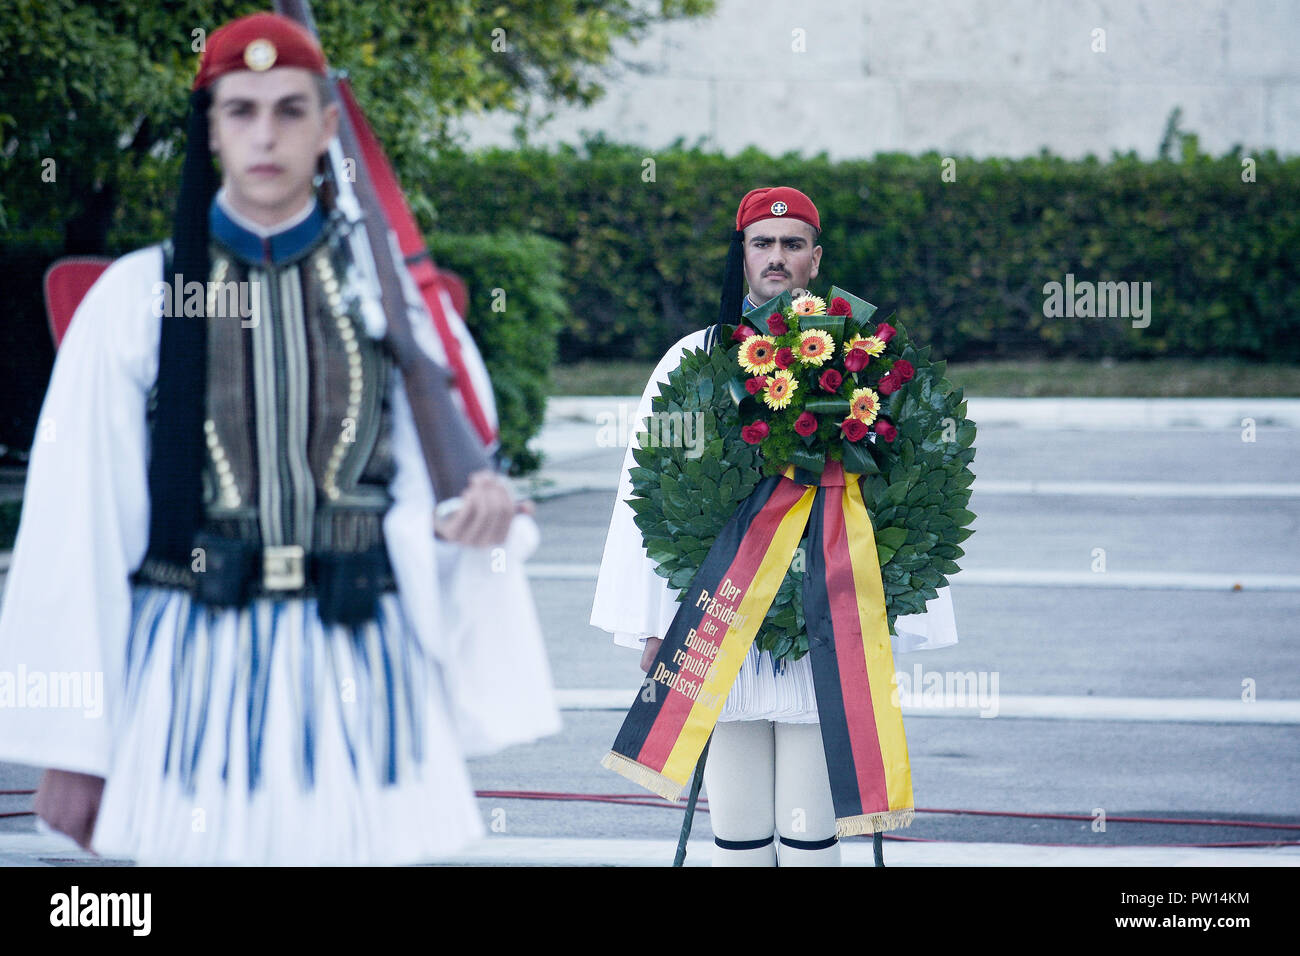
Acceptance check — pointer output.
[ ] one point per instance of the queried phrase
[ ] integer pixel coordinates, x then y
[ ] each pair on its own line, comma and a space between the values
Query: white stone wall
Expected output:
965, 77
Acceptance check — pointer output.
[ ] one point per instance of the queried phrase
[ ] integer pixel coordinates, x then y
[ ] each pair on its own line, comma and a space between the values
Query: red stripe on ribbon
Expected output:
855, 684
750, 552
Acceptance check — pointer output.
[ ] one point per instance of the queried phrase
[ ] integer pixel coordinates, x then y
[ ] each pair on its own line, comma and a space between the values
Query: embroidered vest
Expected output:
298, 424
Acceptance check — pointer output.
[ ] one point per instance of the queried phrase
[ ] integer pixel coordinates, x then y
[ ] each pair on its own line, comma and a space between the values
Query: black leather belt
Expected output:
229, 572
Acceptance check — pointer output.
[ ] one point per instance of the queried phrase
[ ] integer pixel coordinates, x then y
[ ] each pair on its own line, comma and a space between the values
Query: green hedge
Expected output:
964, 262
518, 336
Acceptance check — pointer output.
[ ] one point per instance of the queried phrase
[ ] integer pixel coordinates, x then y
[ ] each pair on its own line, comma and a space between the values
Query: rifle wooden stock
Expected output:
452, 452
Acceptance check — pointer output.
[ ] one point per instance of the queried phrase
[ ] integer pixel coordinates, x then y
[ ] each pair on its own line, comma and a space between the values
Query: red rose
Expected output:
742, 332
831, 380
755, 433
852, 429
856, 360
755, 385
776, 324
839, 306
806, 424
904, 370
885, 332
885, 430
784, 358
888, 383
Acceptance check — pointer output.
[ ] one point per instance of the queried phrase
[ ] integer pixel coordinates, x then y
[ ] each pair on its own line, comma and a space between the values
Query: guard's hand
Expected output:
69, 802
650, 653
487, 507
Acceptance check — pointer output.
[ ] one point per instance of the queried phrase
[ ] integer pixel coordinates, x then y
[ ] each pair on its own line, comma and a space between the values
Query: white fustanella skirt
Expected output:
259, 736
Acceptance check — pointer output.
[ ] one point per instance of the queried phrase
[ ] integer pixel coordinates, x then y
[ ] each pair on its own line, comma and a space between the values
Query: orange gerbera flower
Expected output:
809, 305
757, 354
815, 346
870, 344
864, 405
779, 389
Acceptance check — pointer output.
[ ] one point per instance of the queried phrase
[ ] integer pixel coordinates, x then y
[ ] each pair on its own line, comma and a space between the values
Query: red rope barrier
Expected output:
620, 797
643, 800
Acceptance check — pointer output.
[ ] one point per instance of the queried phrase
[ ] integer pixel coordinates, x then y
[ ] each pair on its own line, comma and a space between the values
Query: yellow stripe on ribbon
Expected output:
879, 654
752, 610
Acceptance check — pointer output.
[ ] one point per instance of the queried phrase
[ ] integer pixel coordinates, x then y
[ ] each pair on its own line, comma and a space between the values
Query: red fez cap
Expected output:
776, 202
258, 42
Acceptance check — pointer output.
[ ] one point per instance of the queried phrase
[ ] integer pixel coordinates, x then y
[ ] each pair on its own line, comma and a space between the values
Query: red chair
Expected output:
66, 283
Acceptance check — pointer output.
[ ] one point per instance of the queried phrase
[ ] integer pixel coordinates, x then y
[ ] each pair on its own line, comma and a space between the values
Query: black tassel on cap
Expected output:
733, 283
176, 439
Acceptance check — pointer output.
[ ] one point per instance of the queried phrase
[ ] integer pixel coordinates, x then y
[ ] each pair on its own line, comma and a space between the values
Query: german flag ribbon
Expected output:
848, 630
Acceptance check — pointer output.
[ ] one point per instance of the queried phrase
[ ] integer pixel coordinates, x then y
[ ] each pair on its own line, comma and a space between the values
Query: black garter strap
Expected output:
810, 844
743, 844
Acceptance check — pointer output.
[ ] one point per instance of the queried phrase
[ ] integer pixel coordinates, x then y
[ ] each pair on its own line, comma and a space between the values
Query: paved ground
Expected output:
1121, 689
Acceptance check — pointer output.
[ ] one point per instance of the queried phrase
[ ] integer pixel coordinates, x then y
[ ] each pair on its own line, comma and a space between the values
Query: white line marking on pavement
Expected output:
1142, 489
557, 570
1027, 577
1148, 580
1031, 707
1010, 578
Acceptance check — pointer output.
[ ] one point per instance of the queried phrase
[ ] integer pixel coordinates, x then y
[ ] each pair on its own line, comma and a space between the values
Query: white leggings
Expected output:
768, 786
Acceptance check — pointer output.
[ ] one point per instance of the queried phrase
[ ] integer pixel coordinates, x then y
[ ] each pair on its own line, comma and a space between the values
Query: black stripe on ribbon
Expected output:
643, 713
845, 793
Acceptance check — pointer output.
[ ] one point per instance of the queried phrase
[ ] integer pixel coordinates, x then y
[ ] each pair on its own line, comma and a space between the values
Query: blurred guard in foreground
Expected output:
294, 660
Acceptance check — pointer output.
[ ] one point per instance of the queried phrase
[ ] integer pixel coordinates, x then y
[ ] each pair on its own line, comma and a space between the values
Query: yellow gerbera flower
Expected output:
864, 405
809, 305
757, 354
815, 346
779, 389
871, 345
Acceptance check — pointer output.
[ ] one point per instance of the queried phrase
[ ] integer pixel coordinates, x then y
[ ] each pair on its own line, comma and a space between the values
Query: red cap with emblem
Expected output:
258, 42
776, 202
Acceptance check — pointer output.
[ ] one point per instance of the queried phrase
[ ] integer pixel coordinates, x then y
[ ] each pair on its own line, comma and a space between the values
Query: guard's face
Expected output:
779, 254
269, 130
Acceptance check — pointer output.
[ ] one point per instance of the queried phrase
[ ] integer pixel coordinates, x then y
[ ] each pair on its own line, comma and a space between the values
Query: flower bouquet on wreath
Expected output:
802, 384
829, 497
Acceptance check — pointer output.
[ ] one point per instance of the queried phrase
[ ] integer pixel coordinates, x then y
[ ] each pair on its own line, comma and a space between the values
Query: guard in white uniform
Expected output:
301, 680
765, 772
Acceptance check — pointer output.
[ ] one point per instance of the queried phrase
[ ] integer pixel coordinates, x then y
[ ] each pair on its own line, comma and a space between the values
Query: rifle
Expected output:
451, 451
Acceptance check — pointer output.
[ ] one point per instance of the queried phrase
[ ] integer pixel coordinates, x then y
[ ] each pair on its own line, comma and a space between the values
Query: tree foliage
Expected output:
100, 88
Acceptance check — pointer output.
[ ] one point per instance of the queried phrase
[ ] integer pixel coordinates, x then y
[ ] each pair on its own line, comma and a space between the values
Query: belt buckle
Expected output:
284, 567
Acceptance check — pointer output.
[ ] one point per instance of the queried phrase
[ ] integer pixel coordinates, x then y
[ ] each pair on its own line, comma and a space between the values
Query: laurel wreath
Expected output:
683, 494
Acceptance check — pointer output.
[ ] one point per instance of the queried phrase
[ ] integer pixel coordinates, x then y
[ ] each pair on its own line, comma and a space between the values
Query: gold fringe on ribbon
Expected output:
643, 775
873, 822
